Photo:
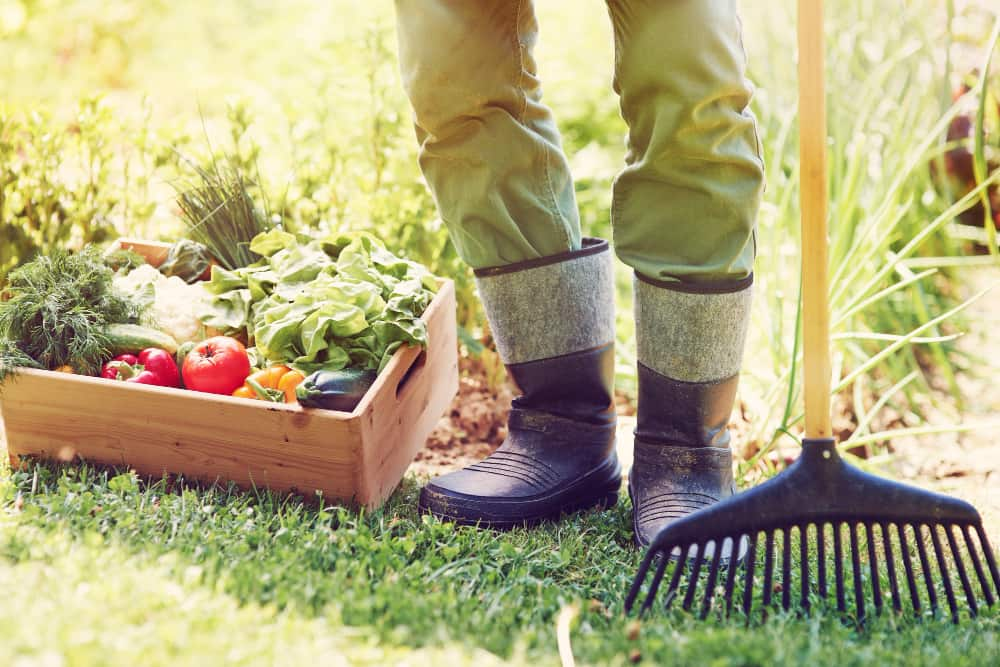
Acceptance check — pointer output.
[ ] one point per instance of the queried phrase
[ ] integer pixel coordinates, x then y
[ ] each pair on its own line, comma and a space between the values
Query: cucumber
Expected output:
133, 338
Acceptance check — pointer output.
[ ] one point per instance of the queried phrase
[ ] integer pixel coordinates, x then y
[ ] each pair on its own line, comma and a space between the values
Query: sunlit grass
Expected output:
99, 569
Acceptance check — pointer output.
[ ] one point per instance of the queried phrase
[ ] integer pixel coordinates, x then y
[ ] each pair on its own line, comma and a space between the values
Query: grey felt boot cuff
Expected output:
692, 332
551, 306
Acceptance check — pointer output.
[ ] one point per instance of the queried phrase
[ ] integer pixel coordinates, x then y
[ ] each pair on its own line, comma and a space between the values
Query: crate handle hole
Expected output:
417, 364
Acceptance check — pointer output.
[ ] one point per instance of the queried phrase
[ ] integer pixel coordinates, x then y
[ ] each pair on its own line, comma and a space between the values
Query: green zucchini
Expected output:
133, 338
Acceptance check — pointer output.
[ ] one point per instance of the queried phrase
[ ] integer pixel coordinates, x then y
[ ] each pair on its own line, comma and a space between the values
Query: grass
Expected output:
100, 569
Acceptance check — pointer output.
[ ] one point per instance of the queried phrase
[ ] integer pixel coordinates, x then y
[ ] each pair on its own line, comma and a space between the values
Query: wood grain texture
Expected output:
357, 457
813, 194
403, 411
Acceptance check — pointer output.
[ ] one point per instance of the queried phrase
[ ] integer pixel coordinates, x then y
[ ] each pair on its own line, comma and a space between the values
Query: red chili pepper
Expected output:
153, 366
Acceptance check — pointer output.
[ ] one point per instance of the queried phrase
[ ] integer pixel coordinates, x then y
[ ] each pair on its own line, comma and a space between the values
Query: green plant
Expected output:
892, 255
56, 182
58, 312
221, 215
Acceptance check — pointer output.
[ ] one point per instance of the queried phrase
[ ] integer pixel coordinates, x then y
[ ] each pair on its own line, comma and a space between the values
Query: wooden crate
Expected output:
357, 457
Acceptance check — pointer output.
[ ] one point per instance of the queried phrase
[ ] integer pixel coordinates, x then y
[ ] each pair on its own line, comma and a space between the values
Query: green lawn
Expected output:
101, 570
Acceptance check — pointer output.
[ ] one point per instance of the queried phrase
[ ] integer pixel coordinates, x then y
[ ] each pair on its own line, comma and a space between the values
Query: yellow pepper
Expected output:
288, 382
274, 383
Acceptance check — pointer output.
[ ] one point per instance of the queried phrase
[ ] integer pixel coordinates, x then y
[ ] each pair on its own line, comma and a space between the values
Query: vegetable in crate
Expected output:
173, 305
126, 338
152, 366
323, 304
217, 366
220, 214
123, 260
58, 313
120, 367
335, 390
275, 383
186, 259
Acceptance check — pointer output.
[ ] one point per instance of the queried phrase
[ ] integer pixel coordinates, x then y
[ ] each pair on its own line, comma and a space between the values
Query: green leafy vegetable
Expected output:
268, 243
187, 260
123, 259
323, 304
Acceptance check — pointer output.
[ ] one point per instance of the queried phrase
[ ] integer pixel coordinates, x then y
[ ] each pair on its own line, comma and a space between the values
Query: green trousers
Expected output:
685, 204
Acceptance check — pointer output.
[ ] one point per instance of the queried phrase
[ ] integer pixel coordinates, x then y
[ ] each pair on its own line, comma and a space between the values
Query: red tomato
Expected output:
218, 366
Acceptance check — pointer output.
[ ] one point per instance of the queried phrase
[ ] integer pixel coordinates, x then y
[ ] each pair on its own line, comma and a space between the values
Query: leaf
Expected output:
124, 483
300, 263
224, 280
229, 312
268, 243
333, 358
980, 165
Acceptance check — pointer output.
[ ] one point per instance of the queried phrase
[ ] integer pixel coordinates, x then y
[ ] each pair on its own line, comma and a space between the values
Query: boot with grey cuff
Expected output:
553, 323
690, 339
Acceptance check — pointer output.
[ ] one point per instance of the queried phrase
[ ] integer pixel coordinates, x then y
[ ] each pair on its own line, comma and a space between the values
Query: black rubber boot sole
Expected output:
597, 489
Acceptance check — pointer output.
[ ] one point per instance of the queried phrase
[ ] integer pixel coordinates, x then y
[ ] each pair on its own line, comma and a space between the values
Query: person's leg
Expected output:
490, 152
489, 148
683, 211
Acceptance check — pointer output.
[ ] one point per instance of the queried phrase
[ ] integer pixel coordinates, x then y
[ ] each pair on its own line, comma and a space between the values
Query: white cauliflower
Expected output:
175, 304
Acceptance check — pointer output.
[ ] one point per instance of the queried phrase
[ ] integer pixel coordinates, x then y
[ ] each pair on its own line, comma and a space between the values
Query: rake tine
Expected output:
859, 599
925, 566
675, 579
991, 560
838, 566
713, 573
695, 571
978, 565
873, 565
804, 560
731, 572
962, 576
748, 579
904, 547
890, 566
640, 576
945, 575
768, 567
655, 584
786, 568
821, 558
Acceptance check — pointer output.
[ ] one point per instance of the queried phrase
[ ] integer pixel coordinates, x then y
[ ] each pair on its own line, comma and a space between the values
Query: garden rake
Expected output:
820, 495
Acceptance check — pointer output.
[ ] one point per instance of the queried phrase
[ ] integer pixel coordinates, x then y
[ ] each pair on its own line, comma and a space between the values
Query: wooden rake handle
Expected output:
812, 192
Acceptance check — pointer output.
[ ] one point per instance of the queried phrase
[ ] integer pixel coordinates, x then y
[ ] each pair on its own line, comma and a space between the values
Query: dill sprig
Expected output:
58, 310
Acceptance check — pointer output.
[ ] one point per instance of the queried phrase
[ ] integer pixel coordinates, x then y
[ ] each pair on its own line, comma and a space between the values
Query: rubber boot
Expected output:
690, 339
553, 323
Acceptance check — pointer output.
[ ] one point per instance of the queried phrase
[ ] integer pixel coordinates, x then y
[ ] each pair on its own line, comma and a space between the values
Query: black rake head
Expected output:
819, 501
